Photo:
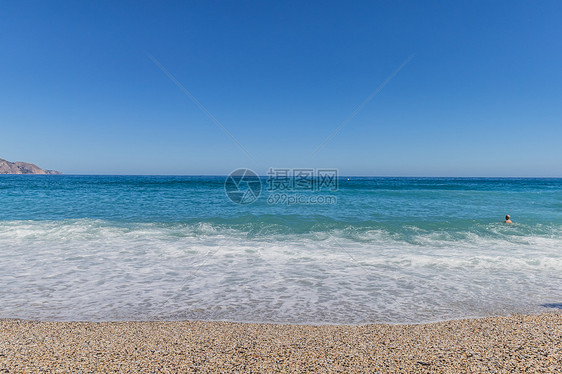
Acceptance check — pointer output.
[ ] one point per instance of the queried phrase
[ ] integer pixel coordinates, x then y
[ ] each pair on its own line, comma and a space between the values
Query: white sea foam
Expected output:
98, 270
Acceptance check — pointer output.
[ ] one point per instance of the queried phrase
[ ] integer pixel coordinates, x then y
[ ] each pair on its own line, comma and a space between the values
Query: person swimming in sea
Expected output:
508, 219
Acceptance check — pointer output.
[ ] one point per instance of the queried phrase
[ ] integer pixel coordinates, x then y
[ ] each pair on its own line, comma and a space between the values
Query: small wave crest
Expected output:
476, 236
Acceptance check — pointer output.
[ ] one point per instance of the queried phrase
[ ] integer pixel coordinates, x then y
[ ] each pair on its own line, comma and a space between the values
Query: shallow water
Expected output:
390, 250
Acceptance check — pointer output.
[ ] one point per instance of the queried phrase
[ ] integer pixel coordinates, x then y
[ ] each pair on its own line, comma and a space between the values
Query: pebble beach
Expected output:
514, 344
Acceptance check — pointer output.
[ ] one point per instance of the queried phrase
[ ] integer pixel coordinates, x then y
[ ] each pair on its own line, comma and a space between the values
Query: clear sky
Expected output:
481, 93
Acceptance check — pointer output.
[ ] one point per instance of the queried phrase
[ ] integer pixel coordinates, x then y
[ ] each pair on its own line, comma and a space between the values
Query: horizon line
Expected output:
265, 176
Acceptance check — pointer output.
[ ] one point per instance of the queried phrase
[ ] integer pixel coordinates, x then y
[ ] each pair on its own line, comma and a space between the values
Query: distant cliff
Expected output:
7, 167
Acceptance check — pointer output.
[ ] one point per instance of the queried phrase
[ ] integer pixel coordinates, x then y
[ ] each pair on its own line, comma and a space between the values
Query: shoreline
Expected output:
550, 310
502, 344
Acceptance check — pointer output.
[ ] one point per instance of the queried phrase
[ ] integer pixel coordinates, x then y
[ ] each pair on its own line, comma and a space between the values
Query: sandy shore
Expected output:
499, 344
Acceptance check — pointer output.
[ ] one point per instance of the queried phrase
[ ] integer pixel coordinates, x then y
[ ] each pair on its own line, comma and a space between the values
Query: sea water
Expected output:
396, 250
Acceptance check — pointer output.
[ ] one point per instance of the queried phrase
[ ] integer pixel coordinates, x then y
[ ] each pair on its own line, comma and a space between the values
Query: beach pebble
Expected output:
522, 343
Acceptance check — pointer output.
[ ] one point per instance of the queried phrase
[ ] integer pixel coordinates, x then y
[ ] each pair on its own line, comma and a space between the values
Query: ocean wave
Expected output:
291, 227
256, 268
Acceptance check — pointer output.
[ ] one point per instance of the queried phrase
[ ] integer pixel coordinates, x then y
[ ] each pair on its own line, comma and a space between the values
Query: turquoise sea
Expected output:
367, 250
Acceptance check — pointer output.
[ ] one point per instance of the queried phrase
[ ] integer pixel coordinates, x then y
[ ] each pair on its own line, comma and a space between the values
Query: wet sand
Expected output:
499, 344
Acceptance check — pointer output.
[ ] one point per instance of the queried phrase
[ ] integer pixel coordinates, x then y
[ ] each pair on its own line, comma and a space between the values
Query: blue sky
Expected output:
481, 95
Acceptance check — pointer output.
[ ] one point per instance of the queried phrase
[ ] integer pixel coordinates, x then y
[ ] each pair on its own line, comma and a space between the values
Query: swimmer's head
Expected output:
507, 217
